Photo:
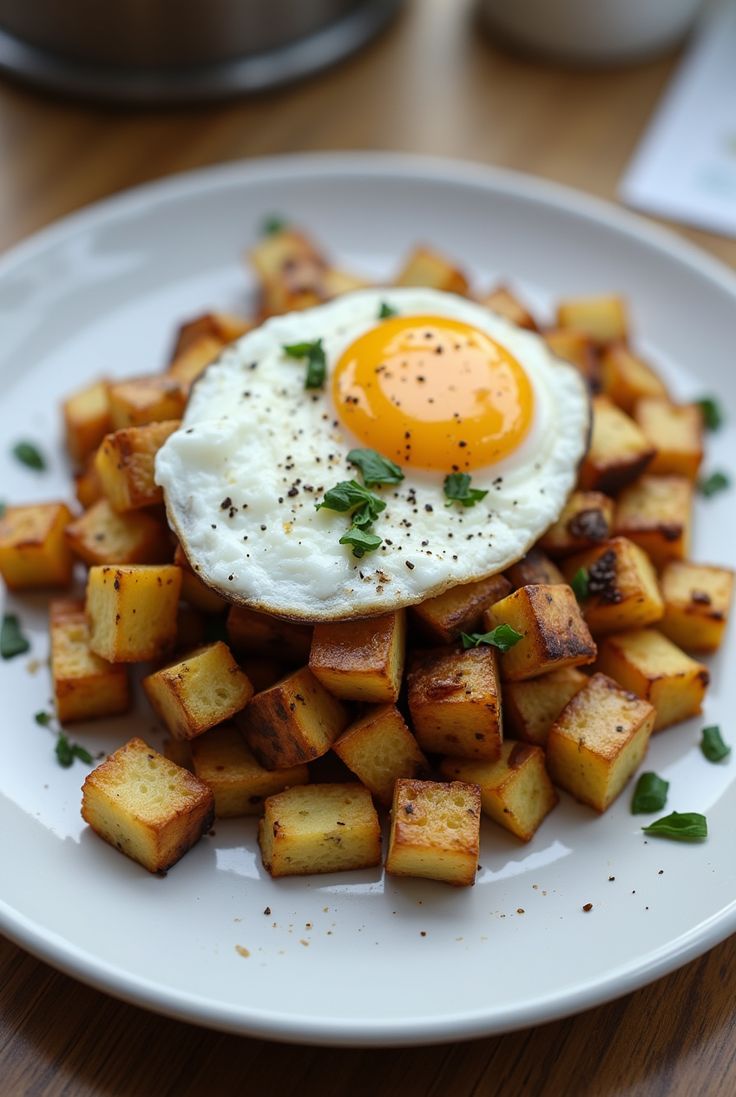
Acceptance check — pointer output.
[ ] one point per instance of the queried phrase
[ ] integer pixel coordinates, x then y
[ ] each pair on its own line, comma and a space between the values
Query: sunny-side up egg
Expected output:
439, 387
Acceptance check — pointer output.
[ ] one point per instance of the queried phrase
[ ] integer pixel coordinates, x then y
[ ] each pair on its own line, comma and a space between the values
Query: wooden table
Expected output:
430, 84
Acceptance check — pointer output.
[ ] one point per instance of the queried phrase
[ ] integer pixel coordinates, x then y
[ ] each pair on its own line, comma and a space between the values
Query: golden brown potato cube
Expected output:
193, 590
336, 282
361, 660
455, 702
651, 666
441, 619
515, 790
623, 592
254, 633
554, 633
87, 486
102, 536
534, 568
191, 362
530, 708
603, 318
435, 831
319, 828
586, 520
626, 378
579, 349
222, 327
150, 809
656, 514
294, 721
193, 694
290, 270
697, 600
132, 611
379, 748
223, 760
86, 420
85, 686
598, 741
263, 673
676, 433
502, 301
33, 550
145, 400
618, 453
125, 463
426, 267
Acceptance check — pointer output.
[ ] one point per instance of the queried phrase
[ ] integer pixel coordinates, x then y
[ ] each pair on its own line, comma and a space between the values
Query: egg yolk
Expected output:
434, 393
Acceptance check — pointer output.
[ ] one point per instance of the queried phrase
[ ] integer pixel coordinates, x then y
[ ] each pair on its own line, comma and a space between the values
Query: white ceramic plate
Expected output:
353, 958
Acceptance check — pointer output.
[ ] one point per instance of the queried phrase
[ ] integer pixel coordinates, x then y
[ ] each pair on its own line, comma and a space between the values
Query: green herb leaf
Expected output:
29, 455
66, 752
712, 745
273, 224
349, 495
650, 794
712, 412
502, 637
579, 584
458, 490
375, 468
686, 826
43, 719
385, 312
362, 540
316, 361
711, 485
12, 640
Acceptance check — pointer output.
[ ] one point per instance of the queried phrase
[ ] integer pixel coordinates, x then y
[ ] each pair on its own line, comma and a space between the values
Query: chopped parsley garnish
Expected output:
579, 584
712, 745
362, 540
650, 794
66, 752
712, 412
350, 497
375, 468
29, 455
458, 490
711, 485
12, 640
316, 361
686, 826
43, 719
273, 224
502, 637
385, 312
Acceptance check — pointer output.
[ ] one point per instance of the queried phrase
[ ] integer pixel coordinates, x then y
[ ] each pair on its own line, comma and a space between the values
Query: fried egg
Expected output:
433, 382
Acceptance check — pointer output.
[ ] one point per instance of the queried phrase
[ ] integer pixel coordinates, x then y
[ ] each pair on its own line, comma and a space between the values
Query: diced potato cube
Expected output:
579, 349
651, 666
426, 267
502, 301
125, 465
193, 694
294, 721
618, 453
222, 759
290, 270
193, 590
676, 433
379, 748
599, 741
86, 420
622, 584
33, 549
530, 708
515, 791
319, 828
87, 486
435, 831
191, 362
603, 318
224, 327
361, 660
254, 633
554, 633
656, 514
586, 520
150, 809
455, 702
625, 377
132, 611
145, 400
441, 619
534, 568
697, 600
85, 686
102, 536
336, 282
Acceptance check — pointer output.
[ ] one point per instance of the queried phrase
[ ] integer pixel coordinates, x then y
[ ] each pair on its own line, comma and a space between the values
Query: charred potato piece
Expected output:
379, 748
603, 318
626, 378
221, 327
455, 702
531, 707
254, 633
656, 514
622, 586
619, 451
579, 349
125, 465
697, 601
426, 267
554, 633
675, 432
291, 272
102, 536
505, 303
534, 568
224, 762
33, 550
443, 618
145, 400
191, 362
586, 520
435, 831
361, 660
132, 611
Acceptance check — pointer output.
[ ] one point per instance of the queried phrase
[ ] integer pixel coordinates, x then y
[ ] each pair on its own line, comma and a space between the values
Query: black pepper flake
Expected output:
263, 529
291, 493
409, 565
428, 507
267, 912
587, 907
611, 878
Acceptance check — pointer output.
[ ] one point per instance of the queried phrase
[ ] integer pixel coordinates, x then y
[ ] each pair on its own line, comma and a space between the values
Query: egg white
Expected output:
256, 452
